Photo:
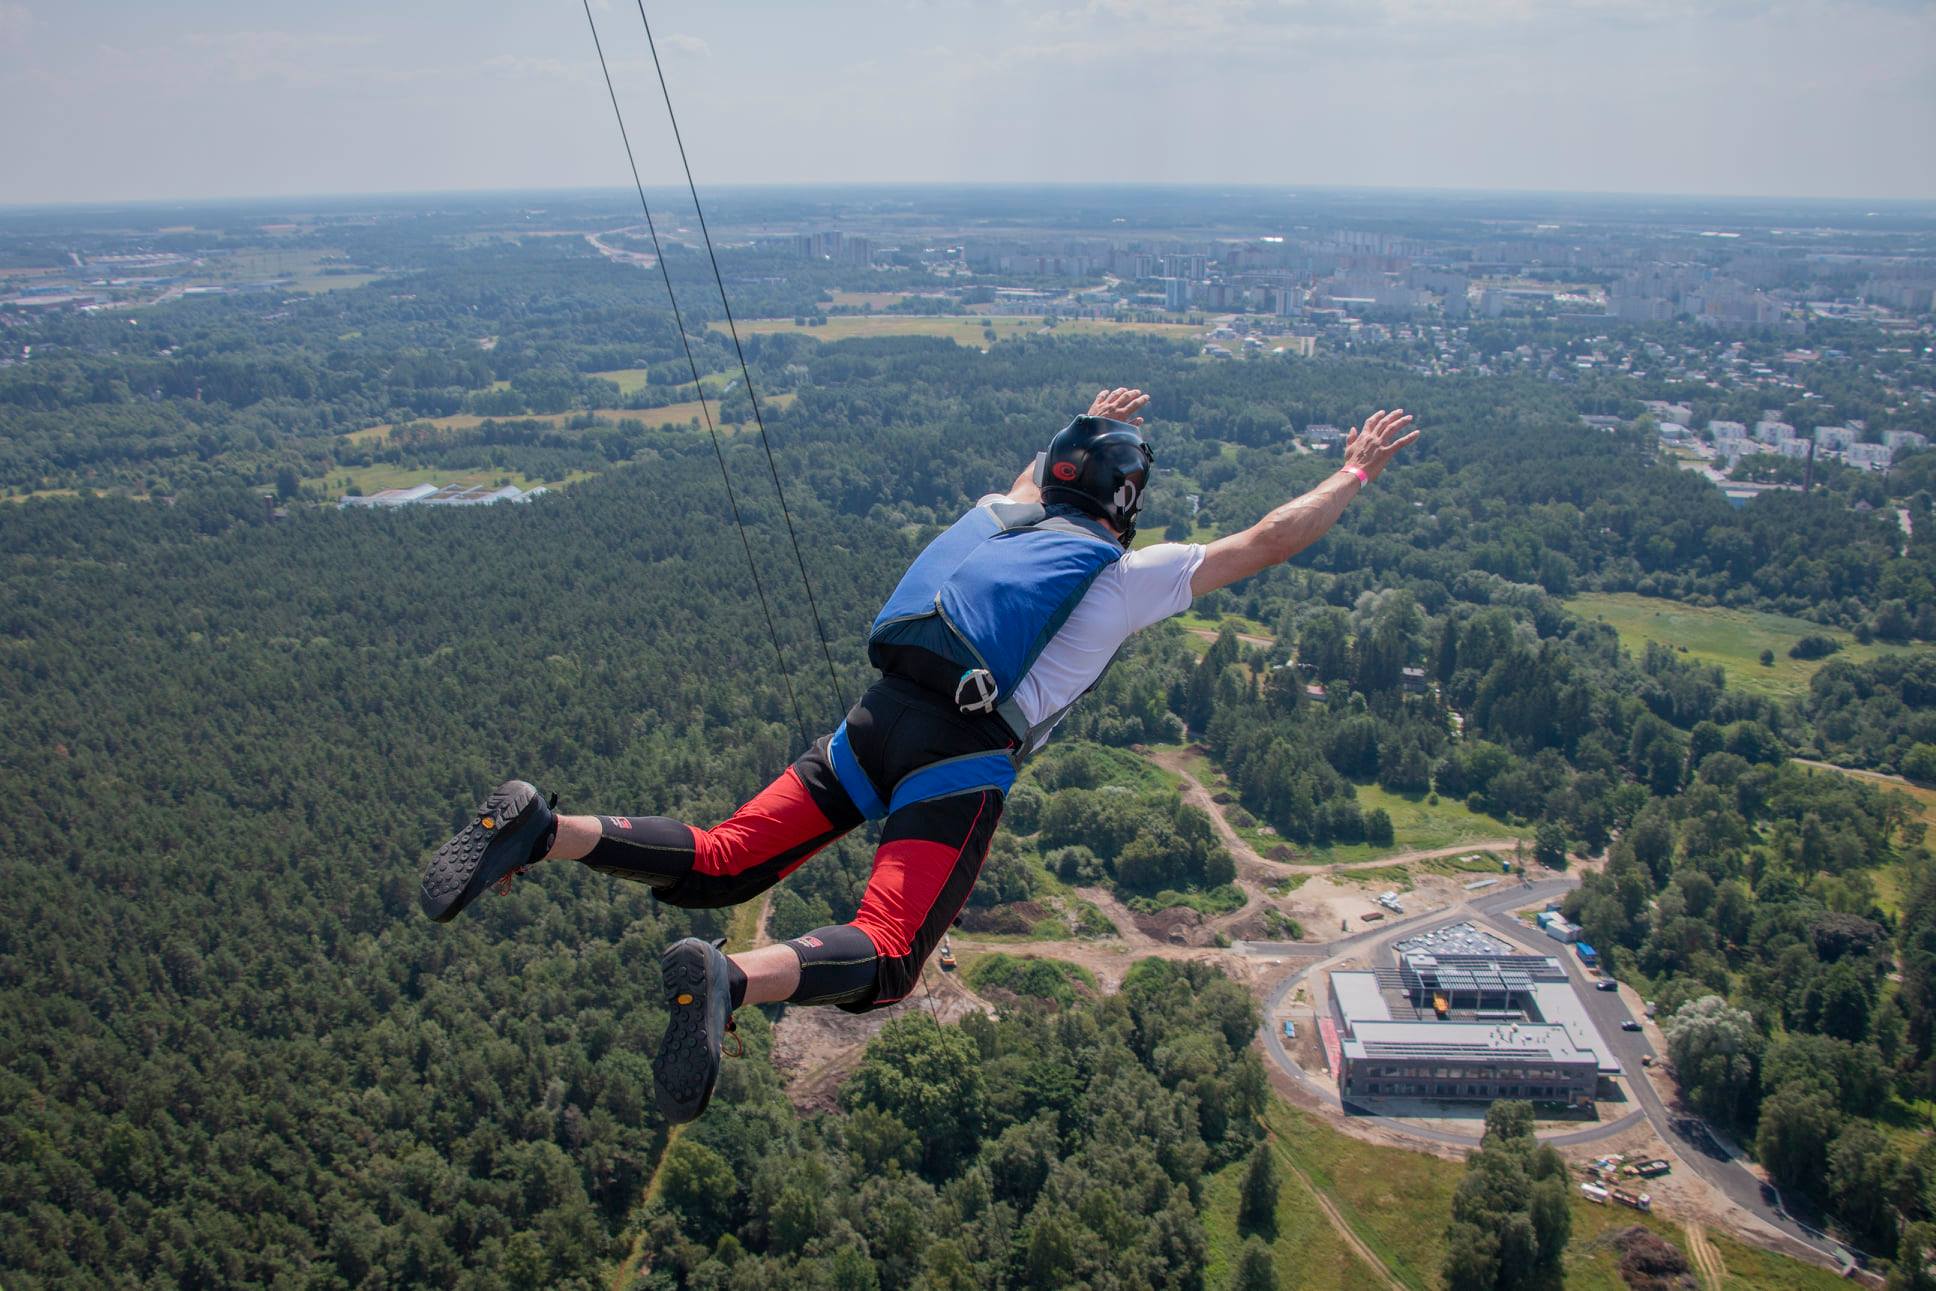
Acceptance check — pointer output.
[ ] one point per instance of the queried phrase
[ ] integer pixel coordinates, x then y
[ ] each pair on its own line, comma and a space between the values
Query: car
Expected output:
1646, 1060
1606, 984
1630, 1025
1290, 1029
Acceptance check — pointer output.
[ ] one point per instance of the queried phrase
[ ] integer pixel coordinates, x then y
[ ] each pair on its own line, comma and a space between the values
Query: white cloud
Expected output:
688, 44
300, 60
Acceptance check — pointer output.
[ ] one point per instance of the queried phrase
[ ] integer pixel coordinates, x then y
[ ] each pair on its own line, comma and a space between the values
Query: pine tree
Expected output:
1257, 1207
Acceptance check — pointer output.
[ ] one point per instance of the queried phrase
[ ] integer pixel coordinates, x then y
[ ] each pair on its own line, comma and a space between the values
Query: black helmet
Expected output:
1101, 466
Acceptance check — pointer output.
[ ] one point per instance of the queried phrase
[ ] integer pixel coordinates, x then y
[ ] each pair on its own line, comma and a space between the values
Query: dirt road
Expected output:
1857, 771
1707, 1260
1249, 858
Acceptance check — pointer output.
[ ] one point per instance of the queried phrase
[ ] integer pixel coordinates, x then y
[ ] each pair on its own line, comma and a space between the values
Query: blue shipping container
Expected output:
1586, 953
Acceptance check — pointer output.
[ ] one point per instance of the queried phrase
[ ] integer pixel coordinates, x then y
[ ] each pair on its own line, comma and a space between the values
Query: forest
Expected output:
235, 1054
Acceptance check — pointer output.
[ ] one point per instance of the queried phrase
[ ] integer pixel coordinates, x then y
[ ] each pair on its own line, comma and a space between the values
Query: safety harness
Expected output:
967, 621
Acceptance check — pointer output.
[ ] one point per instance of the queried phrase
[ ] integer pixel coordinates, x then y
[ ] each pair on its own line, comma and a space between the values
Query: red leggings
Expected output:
928, 859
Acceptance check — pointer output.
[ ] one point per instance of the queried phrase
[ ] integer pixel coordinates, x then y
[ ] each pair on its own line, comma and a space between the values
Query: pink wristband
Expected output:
1358, 471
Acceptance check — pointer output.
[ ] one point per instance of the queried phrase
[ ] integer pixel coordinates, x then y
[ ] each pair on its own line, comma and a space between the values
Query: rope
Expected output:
934, 1014
746, 375
826, 651
679, 321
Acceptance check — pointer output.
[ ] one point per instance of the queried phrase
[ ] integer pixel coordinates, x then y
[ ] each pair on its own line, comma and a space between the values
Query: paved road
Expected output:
1695, 1146
1689, 1138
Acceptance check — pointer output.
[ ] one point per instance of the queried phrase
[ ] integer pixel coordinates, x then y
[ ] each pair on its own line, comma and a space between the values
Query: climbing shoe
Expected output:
512, 829
699, 997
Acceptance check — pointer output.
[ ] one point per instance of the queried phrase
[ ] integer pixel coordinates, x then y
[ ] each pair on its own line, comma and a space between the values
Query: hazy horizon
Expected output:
657, 192
211, 100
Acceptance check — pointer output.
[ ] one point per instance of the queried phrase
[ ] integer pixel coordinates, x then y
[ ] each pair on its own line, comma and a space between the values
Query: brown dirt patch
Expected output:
816, 1048
1649, 1262
1176, 926
1015, 919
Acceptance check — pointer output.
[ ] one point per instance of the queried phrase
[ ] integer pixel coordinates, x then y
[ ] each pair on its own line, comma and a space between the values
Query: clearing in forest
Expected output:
1731, 640
963, 329
1418, 823
672, 414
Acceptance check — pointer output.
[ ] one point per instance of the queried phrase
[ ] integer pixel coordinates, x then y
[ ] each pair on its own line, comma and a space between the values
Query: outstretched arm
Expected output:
1121, 404
1303, 520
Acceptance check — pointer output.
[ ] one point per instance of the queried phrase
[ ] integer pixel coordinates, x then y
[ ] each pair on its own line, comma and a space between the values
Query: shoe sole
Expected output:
450, 880
687, 1065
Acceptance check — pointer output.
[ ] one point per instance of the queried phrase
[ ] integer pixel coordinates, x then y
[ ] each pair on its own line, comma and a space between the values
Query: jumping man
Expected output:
992, 635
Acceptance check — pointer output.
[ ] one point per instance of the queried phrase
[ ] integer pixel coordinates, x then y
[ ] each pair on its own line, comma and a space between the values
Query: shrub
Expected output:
1812, 646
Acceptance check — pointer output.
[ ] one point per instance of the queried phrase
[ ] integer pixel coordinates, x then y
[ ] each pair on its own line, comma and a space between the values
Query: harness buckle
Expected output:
983, 700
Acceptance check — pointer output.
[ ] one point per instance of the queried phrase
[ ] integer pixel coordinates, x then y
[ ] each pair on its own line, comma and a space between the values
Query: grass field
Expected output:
872, 301
1418, 824
1308, 1252
372, 479
1750, 1266
305, 269
632, 380
743, 925
1194, 622
1730, 639
1402, 876
1484, 864
672, 414
1380, 876
963, 329
456, 421
1399, 1202
628, 380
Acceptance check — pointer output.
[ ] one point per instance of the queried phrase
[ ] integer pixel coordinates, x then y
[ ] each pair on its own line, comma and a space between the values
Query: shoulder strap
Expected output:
1060, 519
1017, 515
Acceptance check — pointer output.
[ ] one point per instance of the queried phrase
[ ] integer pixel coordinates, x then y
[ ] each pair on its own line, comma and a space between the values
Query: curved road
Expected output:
1691, 1141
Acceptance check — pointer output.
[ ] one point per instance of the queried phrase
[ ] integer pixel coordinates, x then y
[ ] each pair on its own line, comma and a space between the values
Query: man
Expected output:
994, 632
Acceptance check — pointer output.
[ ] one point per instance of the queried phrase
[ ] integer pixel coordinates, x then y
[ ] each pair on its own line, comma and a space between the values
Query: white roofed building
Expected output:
1465, 1016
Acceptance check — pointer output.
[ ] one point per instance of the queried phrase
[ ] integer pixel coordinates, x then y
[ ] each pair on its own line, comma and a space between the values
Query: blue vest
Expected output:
976, 608
969, 619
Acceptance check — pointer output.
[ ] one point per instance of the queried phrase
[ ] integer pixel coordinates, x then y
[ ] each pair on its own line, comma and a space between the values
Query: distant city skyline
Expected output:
207, 99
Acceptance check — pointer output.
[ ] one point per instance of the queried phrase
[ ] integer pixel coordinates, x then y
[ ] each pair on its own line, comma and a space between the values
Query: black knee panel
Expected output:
644, 849
837, 966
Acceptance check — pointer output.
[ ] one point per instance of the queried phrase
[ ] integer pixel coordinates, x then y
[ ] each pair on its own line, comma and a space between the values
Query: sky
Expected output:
107, 100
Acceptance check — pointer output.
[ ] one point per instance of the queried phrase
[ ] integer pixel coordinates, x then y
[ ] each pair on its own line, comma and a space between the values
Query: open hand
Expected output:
1120, 404
1376, 442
